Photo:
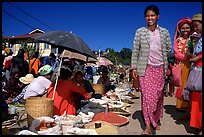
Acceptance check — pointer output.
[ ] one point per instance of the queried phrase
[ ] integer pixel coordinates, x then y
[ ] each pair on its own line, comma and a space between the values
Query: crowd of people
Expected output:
150, 69
23, 79
151, 66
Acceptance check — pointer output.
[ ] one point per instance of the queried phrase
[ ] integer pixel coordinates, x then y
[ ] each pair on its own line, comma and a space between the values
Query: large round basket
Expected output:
38, 107
105, 129
99, 89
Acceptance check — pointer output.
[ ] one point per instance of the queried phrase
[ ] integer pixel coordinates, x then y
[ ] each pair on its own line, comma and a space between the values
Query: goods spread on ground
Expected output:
105, 128
111, 117
45, 125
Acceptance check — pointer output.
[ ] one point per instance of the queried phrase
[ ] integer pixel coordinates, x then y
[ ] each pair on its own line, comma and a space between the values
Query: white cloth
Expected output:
38, 86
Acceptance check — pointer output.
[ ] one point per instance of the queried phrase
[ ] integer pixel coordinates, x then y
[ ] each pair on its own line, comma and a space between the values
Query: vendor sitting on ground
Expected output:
63, 100
105, 80
13, 86
39, 85
25, 81
78, 77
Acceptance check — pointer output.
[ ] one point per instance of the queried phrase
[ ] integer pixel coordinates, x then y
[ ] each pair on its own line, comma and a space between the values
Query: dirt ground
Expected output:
169, 125
135, 126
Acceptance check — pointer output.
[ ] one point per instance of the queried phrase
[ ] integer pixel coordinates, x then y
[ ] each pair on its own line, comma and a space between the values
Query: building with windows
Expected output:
15, 42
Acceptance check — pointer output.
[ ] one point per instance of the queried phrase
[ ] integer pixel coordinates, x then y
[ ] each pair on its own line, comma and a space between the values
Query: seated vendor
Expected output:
39, 85
78, 77
25, 81
63, 100
105, 80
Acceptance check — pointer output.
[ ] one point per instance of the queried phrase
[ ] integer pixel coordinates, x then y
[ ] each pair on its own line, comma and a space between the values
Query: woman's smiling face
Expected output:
151, 17
185, 30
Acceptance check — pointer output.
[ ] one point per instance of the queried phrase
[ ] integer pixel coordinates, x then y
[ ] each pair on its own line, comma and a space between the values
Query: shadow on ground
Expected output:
176, 114
138, 115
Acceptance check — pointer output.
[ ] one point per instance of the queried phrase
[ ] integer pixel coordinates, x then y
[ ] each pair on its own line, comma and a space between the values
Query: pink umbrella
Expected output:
103, 61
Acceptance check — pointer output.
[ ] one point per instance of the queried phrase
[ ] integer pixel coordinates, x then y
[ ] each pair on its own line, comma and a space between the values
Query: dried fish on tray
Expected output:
120, 111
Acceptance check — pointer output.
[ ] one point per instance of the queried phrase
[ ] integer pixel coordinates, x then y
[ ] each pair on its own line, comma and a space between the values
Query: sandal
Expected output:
146, 132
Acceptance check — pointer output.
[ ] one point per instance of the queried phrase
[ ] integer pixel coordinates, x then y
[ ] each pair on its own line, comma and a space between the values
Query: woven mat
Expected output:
105, 129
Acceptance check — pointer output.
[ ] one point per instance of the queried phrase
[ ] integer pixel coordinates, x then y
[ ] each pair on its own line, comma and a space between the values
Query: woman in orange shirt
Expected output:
34, 64
63, 100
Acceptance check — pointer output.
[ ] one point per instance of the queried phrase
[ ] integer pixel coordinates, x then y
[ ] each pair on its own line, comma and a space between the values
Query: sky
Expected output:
101, 25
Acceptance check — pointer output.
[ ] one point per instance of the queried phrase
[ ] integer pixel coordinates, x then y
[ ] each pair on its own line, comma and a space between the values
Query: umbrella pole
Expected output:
58, 75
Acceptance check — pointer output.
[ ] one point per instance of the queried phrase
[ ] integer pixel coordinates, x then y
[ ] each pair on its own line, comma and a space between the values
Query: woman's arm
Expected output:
178, 55
135, 52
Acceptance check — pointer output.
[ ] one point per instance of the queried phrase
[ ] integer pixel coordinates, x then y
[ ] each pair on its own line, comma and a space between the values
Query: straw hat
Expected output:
45, 70
27, 79
197, 17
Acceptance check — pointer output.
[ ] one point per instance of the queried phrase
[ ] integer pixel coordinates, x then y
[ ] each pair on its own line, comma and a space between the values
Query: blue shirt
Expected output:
46, 61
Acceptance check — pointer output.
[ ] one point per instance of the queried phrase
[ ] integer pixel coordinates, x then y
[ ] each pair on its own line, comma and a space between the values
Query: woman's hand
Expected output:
188, 56
195, 59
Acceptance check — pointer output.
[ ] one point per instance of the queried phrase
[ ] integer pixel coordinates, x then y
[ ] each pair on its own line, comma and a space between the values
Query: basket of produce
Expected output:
104, 128
111, 117
99, 89
38, 107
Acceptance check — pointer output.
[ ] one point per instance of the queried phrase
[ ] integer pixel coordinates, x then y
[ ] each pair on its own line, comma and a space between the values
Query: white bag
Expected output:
50, 131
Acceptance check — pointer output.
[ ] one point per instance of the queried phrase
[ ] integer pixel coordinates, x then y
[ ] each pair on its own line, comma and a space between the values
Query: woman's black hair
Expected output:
78, 73
152, 8
65, 73
20, 54
36, 54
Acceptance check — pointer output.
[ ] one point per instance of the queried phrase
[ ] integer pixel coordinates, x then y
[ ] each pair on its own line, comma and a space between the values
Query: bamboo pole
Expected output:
58, 73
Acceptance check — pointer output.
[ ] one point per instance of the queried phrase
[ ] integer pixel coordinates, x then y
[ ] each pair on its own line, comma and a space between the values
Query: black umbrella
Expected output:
66, 40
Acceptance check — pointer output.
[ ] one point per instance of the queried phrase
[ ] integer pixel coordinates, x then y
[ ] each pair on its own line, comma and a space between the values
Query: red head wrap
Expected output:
179, 25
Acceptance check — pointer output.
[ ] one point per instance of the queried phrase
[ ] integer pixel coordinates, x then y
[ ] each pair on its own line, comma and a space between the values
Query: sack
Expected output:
176, 74
194, 81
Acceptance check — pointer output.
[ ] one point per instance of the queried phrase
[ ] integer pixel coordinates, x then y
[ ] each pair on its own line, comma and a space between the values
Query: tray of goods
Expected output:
102, 128
111, 117
120, 111
69, 119
133, 95
127, 104
115, 104
113, 97
126, 99
100, 101
45, 125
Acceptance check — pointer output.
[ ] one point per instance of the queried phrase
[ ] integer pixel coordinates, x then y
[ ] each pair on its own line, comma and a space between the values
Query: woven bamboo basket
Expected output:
99, 89
38, 107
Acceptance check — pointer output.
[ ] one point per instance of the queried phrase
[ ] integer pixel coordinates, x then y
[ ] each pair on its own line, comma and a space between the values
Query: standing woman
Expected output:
196, 96
182, 53
149, 60
34, 64
20, 64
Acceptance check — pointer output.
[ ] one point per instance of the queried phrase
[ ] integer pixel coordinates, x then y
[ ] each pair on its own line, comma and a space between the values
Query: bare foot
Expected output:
158, 127
147, 131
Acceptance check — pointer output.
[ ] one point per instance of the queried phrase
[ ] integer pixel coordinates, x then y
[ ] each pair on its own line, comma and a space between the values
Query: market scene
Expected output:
53, 83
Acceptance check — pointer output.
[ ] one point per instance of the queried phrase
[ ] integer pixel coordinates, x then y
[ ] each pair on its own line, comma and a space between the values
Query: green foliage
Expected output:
123, 57
29, 49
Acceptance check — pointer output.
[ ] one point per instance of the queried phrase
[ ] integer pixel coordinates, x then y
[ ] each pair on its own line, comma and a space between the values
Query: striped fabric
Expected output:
141, 43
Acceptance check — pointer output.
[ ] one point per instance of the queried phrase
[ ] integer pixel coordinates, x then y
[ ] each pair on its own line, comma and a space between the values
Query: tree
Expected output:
126, 54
